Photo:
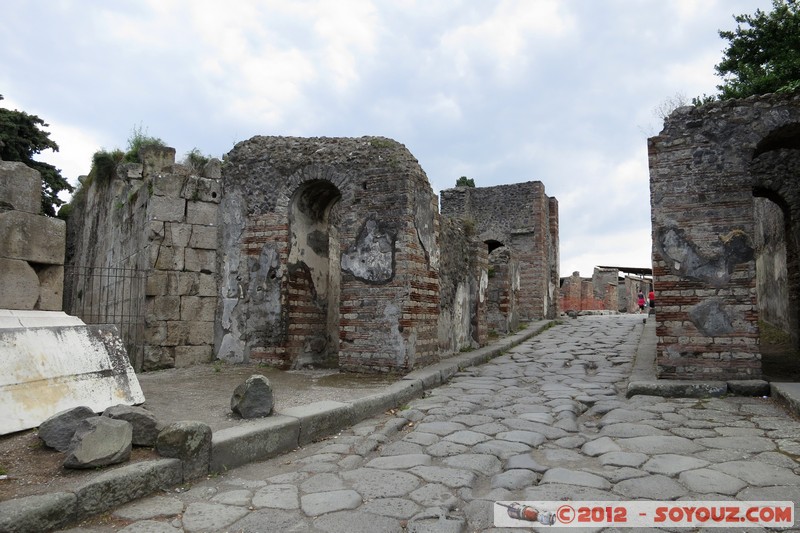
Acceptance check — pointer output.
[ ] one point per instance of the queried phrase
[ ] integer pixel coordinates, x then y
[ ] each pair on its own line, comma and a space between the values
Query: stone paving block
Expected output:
398, 462
279, 496
155, 507
655, 487
319, 503
706, 480
372, 483
259, 439
201, 516
357, 522
574, 477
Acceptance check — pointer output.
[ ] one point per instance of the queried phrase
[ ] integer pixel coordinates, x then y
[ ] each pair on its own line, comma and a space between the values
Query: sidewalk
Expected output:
308, 406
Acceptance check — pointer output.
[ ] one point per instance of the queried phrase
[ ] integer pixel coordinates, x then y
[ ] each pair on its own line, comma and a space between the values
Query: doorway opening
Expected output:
314, 277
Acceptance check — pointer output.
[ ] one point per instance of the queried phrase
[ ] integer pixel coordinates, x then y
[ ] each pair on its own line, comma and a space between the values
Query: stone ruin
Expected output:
323, 252
613, 289
50, 361
31, 245
726, 220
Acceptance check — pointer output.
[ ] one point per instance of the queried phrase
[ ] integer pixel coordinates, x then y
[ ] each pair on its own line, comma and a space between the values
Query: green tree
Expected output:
21, 138
464, 181
763, 53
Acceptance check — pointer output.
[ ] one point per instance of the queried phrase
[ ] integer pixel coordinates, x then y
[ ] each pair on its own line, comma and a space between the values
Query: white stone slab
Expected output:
18, 318
44, 370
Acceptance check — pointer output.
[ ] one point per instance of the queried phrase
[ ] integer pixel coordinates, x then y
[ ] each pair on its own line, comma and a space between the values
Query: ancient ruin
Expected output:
725, 211
612, 289
296, 252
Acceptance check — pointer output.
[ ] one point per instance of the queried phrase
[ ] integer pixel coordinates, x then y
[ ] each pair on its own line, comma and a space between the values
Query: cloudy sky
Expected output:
502, 91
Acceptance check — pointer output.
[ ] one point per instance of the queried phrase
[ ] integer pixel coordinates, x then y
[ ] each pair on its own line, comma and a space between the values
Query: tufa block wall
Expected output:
32, 246
146, 240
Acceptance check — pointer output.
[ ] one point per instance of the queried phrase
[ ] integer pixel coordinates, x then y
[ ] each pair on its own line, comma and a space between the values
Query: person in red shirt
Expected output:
652, 297
641, 301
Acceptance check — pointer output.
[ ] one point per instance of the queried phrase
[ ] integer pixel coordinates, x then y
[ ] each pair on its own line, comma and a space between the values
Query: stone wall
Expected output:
463, 280
313, 252
329, 255
502, 292
707, 166
31, 245
524, 219
598, 293
148, 238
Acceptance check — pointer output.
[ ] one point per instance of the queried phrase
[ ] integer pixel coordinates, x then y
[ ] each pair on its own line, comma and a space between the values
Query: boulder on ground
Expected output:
188, 441
145, 425
58, 430
99, 441
253, 398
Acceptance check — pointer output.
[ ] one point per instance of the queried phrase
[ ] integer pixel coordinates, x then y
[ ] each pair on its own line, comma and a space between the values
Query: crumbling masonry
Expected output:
726, 222
324, 252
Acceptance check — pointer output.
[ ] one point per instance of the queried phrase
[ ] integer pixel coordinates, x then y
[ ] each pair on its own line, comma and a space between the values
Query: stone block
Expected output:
51, 287
200, 333
163, 308
176, 334
156, 284
57, 431
167, 209
33, 238
100, 441
20, 187
169, 185
156, 333
190, 442
130, 171
177, 234
258, 440
201, 213
206, 285
204, 237
20, 285
749, 387
320, 419
168, 257
253, 398
144, 423
45, 512
213, 169
157, 357
200, 260
121, 485
202, 189
192, 355
198, 308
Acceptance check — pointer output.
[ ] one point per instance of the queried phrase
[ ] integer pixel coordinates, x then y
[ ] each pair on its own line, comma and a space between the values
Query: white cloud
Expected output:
500, 41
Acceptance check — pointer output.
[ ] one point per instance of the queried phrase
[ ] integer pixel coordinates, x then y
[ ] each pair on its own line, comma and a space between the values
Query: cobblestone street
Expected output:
548, 420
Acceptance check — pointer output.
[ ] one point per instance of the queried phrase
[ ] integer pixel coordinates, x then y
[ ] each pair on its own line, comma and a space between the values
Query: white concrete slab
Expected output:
44, 370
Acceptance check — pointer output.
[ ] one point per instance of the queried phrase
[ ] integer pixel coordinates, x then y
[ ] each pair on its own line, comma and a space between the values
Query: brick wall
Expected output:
523, 218
705, 167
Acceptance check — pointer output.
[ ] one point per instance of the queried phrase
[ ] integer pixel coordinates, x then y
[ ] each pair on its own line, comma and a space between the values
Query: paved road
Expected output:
546, 421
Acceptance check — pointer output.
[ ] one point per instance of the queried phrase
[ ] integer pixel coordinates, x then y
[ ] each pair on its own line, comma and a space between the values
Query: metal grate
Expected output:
109, 295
